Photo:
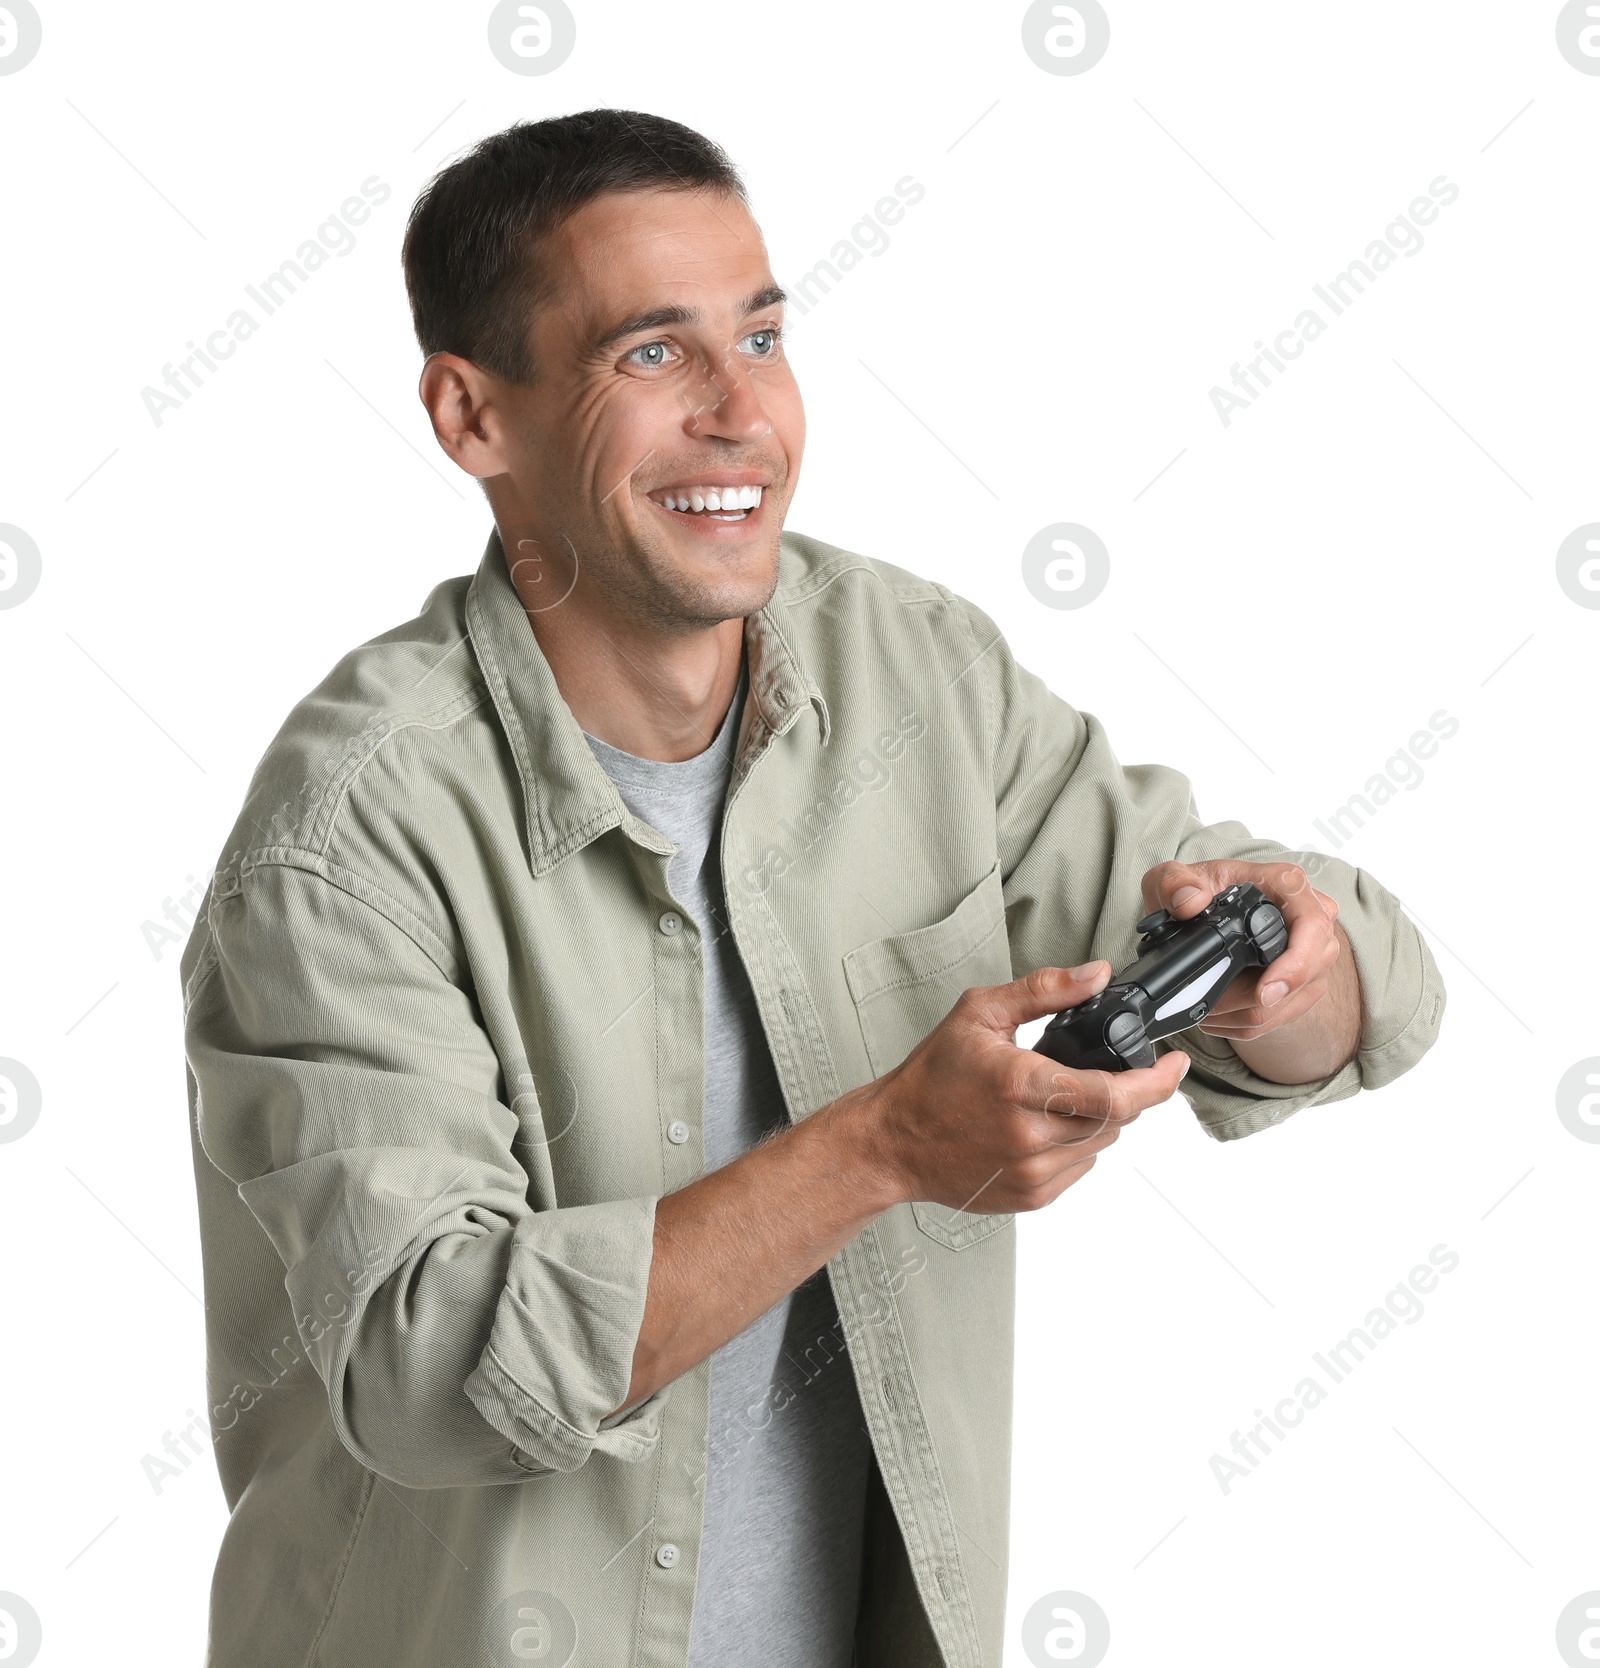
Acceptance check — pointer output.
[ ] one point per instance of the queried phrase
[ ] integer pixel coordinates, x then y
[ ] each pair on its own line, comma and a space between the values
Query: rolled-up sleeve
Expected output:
347, 1088
1077, 832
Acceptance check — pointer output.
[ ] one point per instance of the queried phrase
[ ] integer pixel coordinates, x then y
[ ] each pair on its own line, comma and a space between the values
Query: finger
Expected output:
1089, 1101
1179, 888
1308, 913
1244, 993
1069, 1140
1243, 1024
1244, 996
1076, 1172
1312, 947
1046, 990
1068, 1174
1244, 1007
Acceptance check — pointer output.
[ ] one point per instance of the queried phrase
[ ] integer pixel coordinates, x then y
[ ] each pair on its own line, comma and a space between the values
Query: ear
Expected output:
466, 406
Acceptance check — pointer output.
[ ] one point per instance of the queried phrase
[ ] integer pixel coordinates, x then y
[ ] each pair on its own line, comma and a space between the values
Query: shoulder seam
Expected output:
403, 919
286, 828
962, 609
353, 764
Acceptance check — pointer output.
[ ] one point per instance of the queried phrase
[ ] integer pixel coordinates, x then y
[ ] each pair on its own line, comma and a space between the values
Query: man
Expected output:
608, 1125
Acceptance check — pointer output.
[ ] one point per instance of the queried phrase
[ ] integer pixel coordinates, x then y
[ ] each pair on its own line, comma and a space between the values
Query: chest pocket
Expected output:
903, 985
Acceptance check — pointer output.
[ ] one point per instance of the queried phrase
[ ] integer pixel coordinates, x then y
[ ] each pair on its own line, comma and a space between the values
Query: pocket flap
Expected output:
903, 985
905, 958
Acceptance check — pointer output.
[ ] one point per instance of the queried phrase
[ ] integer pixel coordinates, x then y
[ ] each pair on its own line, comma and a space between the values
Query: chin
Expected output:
730, 596
738, 601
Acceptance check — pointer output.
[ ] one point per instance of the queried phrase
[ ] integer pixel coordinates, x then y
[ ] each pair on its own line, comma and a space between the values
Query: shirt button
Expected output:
670, 923
677, 1132
666, 1555
781, 697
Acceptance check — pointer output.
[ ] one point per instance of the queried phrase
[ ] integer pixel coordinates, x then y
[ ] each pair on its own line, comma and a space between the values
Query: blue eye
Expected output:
659, 349
770, 337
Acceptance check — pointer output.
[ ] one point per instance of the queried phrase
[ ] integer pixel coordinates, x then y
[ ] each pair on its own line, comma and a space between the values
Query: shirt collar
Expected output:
568, 799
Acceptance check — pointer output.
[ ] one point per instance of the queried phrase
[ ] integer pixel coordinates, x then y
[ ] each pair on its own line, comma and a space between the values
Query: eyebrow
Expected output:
768, 296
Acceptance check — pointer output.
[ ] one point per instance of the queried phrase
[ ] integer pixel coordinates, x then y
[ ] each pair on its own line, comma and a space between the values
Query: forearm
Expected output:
730, 1245
965, 1114
1321, 1040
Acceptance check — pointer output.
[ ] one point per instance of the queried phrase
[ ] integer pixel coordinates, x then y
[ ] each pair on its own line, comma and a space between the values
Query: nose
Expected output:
726, 405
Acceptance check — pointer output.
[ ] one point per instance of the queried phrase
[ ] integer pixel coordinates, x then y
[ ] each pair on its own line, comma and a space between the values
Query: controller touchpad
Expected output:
1195, 991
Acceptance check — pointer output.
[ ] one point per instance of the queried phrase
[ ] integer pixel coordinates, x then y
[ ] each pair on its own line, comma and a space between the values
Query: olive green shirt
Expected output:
444, 1043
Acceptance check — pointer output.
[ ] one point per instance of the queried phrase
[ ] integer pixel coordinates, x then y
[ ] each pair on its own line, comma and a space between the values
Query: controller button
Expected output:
1269, 930
1154, 923
1124, 1032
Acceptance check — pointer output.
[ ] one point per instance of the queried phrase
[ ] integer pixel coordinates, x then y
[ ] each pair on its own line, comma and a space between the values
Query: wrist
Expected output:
861, 1150
1306, 1049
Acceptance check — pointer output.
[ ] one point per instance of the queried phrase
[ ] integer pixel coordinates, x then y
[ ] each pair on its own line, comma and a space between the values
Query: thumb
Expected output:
1046, 990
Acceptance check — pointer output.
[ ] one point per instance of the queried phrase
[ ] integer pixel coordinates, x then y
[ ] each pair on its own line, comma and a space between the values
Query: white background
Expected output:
1287, 603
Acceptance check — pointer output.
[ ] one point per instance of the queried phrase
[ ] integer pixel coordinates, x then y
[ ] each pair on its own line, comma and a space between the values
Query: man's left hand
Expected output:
1310, 995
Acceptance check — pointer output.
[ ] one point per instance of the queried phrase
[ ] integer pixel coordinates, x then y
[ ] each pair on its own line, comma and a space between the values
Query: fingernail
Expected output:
1186, 892
1275, 992
1087, 971
1187, 1062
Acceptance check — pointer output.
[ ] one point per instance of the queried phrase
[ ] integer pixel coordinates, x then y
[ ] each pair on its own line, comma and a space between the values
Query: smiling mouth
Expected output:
730, 504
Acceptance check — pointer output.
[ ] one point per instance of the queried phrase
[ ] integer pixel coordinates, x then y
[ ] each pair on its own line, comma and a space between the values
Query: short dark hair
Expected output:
471, 244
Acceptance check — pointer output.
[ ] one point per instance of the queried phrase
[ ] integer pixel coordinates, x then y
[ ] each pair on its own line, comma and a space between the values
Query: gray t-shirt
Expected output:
780, 1557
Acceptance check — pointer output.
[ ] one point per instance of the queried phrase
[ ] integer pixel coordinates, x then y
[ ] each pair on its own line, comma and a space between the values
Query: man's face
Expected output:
660, 374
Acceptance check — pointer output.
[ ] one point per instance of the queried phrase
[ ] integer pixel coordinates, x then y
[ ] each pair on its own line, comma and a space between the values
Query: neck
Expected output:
656, 694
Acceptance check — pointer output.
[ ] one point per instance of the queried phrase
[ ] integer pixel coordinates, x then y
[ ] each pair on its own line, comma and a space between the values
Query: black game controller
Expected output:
1183, 967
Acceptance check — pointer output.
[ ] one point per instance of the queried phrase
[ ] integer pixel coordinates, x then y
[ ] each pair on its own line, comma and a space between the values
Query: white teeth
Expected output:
714, 499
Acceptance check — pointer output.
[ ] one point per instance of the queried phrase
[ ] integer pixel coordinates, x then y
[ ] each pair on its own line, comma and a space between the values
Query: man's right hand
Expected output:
967, 1120
971, 1121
